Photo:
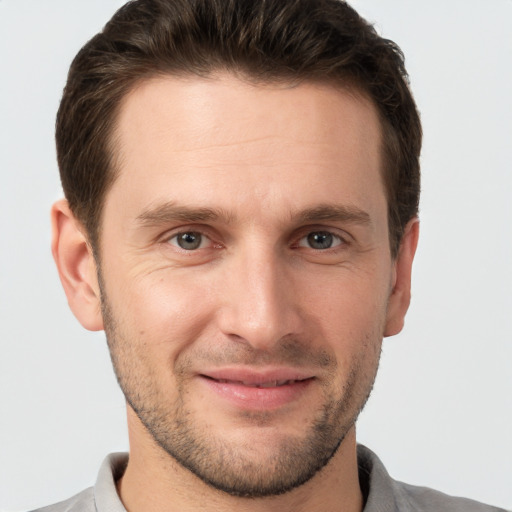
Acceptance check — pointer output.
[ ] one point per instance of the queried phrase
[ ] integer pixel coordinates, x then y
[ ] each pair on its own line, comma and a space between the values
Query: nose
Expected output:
260, 304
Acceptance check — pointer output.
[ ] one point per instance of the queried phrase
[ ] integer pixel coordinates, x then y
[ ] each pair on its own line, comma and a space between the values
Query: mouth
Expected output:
248, 390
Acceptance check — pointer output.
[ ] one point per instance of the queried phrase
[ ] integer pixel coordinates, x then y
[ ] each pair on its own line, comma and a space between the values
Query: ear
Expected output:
400, 296
76, 265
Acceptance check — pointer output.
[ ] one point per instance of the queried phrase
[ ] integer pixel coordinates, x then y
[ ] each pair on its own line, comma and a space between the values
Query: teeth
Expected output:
269, 384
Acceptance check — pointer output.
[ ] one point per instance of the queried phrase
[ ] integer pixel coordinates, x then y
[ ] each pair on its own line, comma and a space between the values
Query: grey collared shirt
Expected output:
382, 493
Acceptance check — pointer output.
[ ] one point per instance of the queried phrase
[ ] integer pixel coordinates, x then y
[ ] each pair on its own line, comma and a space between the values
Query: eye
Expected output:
189, 240
320, 240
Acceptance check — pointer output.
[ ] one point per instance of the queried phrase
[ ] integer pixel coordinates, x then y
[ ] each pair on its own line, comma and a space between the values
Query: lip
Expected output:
257, 390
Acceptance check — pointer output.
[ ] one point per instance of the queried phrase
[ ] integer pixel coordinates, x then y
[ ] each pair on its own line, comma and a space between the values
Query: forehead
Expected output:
212, 110
261, 141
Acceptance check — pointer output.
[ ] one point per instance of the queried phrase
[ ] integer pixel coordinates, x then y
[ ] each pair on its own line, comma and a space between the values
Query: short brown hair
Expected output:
266, 41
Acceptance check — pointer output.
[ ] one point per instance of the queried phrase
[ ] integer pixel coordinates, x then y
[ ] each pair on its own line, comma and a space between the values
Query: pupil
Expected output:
320, 240
189, 240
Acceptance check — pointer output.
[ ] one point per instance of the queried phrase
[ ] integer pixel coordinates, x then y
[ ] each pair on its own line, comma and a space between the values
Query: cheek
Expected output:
348, 302
349, 316
163, 309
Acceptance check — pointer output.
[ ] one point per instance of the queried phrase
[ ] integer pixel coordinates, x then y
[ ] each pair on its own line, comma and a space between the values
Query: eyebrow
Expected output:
337, 213
171, 212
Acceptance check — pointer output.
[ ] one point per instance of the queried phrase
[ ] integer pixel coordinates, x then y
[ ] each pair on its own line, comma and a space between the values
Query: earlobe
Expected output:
76, 266
400, 296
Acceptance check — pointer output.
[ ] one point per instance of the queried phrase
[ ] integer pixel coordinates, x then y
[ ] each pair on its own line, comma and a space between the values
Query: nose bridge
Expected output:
259, 305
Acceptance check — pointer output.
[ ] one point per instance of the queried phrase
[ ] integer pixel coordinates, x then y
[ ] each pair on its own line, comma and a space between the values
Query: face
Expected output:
246, 274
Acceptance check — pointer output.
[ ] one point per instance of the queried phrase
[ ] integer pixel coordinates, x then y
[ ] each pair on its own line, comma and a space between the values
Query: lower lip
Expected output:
252, 398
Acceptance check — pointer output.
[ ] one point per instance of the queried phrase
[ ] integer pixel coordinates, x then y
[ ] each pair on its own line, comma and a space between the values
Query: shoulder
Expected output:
424, 499
81, 502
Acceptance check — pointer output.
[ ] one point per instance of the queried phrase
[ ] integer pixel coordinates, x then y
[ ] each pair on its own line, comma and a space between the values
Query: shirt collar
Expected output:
105, 492
376, 484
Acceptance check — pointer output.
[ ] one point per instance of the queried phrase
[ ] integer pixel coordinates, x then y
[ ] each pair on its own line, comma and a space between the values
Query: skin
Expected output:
255, 173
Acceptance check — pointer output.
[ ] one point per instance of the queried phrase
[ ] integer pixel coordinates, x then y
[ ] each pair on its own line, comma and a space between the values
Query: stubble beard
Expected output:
236, 469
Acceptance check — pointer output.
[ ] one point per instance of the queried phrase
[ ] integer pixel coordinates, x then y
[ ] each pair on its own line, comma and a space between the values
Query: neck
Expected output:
155, 482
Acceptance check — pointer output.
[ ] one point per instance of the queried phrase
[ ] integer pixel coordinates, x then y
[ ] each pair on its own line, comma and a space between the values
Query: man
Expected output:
242, 186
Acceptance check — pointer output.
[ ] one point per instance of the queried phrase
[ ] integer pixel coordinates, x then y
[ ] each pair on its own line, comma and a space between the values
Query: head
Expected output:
242, 181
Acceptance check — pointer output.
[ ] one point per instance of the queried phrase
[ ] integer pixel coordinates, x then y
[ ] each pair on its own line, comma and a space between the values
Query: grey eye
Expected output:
320, 240
189, 241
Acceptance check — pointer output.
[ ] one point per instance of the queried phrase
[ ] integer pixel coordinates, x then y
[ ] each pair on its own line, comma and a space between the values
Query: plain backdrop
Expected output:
441, 412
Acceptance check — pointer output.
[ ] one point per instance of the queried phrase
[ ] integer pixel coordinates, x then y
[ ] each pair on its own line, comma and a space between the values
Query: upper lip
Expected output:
256, 377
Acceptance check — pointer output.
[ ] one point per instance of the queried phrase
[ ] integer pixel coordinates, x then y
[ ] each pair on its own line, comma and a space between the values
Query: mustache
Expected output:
288, 351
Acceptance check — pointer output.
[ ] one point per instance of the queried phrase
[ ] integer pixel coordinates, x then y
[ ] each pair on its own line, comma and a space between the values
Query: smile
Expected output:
248, 390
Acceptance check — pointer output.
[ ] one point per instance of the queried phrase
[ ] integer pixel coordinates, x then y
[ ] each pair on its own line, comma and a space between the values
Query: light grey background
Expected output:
441, 412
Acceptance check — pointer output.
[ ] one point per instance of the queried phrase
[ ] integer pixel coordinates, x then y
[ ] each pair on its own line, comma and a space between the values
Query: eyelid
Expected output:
184, 228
